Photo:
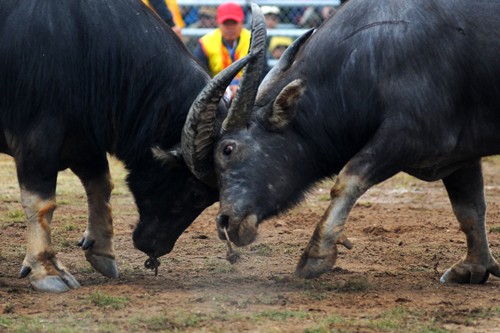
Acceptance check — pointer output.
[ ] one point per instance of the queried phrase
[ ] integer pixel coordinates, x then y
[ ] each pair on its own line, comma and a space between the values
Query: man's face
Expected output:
278, 51
231, 30
272, 21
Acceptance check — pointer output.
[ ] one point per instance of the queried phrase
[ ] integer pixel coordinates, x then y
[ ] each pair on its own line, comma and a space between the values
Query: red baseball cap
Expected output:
230, 11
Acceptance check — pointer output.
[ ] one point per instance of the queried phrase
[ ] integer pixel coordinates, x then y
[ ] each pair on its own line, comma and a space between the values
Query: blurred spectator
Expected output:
226, 44
272, 16
293, 15
327, 11
311, 18
278, 45
206, 18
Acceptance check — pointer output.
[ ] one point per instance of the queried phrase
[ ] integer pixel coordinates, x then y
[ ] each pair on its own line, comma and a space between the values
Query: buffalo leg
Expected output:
45, 272
321, 253
465, 189
97, 240
357, 176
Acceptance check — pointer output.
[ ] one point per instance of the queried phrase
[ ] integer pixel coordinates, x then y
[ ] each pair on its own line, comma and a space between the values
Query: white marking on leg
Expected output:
39, 216
345, 192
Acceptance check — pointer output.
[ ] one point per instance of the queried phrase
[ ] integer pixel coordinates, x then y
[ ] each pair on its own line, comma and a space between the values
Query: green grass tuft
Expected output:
108, 301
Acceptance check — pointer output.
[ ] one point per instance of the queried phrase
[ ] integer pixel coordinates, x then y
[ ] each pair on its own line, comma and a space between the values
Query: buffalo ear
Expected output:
170, 159
285, 105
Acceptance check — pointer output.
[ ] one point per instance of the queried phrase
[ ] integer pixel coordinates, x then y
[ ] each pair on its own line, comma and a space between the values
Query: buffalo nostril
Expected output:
223, 221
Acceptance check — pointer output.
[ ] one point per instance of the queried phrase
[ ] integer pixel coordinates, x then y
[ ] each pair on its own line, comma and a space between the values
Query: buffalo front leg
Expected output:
364, 170
97, 240
321, 253
45, 272
465, 189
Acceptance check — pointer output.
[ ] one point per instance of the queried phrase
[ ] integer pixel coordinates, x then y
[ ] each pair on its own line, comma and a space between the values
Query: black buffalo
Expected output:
78, 80
381, 87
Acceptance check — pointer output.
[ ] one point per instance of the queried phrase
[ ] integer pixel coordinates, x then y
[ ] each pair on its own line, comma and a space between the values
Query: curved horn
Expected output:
198, 131
284, 63
239, 112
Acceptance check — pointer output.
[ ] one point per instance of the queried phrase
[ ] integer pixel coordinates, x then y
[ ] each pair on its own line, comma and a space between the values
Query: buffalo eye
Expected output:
228, 150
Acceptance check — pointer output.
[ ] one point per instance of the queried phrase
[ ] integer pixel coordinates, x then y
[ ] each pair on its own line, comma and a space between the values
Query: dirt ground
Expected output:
404, 233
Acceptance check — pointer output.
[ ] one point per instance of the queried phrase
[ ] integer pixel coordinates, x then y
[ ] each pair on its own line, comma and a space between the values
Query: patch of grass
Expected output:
219, 266
70, 227
65, 324
495, 229
6, 322
482, 313
261, 249
87, 268
277, 315
397, 319
108, 301
391, 320
156, 323
354, 284
170, 322
401, 319
63, 202
21, 324
8, 308
66, 244
327, 325
16, 215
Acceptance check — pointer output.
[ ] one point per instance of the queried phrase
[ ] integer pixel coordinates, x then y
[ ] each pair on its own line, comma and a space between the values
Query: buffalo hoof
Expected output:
311, 266
40, 281
48, 275
55, 284
466, 272
103, 264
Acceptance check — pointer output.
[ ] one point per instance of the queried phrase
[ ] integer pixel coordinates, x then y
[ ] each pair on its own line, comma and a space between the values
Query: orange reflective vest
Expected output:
217, 53
174, 9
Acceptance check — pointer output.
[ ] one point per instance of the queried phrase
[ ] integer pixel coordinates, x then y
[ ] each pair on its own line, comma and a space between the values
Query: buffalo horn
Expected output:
241, 108
286, 60
198, 131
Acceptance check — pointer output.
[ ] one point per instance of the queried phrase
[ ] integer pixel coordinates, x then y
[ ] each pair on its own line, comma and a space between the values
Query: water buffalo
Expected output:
80, 79
381, 87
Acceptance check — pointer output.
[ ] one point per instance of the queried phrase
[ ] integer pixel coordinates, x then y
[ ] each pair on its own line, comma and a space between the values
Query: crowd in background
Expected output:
227, 37
297, 16
289, 17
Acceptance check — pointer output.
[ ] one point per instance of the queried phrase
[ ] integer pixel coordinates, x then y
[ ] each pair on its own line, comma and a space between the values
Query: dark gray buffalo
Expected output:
78, 80
381, 87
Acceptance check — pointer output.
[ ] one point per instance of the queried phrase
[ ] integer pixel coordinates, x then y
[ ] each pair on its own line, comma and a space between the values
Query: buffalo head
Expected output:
172, 204
251, 151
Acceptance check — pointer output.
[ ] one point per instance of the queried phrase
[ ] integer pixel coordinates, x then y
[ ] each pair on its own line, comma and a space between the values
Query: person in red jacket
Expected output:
226, 44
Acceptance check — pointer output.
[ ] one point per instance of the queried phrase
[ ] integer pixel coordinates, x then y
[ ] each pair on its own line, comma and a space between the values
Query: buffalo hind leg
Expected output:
465, 189
45, 272
97, 241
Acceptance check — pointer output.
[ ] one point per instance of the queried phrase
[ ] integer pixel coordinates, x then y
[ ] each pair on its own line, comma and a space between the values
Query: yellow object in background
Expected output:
174, 9
176, 13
